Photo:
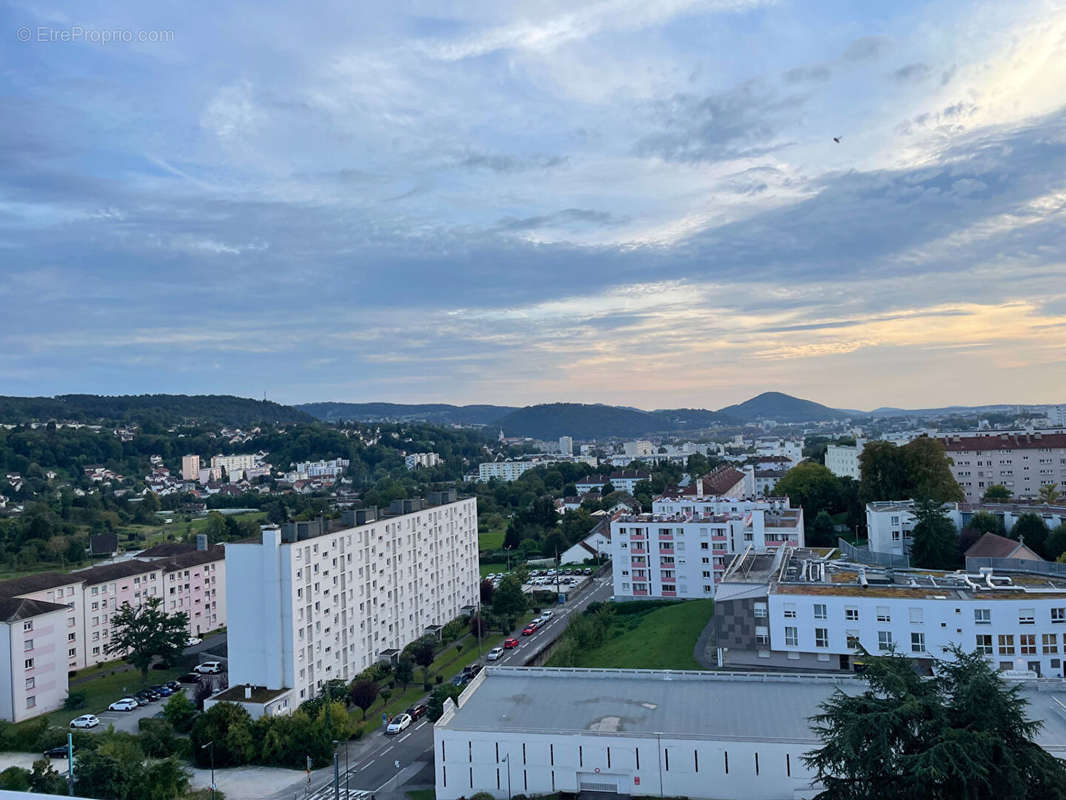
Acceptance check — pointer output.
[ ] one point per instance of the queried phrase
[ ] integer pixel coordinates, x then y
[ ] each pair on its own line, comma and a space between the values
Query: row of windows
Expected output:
981, 616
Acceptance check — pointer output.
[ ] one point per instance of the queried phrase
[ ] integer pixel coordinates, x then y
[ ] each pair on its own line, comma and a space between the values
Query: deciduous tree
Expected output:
996, 493
363, 694
935, 544
146, 632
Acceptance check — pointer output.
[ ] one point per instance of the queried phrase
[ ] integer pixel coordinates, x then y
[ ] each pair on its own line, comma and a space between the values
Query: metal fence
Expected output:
973, 563
864, 555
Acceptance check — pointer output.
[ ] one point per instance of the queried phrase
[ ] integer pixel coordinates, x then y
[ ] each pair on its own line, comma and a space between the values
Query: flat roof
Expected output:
747, 706
770, 707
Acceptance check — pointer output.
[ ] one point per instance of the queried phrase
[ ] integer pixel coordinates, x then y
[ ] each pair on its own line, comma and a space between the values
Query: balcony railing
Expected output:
666, 537
638, 551
719, 538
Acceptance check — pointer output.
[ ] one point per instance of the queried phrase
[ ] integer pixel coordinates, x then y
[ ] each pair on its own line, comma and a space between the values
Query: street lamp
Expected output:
211, 745
659, 747
336, 772
507, 758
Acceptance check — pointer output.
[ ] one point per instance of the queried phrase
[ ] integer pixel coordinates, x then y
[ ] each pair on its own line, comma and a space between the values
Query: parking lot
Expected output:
564, 580
129, 720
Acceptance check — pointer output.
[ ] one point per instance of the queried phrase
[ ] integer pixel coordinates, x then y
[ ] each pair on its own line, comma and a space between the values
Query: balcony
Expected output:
666, 537
719, 538
720, 551
638, 537
638, 551
638, 561
672, 592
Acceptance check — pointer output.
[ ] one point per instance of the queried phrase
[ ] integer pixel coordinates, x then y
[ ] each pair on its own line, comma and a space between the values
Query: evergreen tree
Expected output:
986, 522
960, 734
1030, 529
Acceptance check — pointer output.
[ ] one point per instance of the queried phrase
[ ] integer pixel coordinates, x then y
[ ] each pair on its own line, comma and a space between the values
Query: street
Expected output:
373, 762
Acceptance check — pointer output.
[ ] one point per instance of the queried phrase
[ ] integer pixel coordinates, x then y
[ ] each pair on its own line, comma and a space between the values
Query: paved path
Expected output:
702, 652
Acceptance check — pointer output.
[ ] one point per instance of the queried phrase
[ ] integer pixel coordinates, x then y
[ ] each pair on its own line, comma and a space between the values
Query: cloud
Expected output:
816, 72
506, 163
867, 48
564, 218
913, 72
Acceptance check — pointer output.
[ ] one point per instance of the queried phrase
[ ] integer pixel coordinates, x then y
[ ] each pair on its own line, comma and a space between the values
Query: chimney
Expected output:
248, 692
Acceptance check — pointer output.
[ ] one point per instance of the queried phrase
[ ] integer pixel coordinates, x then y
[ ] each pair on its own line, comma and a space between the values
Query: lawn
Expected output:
662, 638
421, 794
490, 540
179, 529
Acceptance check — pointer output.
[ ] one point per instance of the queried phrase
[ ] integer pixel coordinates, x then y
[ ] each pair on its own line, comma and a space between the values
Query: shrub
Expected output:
74, 701
482, 796
158, 738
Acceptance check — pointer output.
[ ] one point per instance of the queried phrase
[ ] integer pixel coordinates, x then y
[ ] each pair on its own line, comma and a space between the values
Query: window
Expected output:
31, 682
917, 642
917, 616
883, 614
31, 701
27, 645
851, 614
853, 640
1026, 616
791, 636
760, 608
29, 663
982, 616
821, 637
820, 611
1058, 615
884, 640
1027, 644
984, 644
28, 624
1051, 643
1006, 644
790, 610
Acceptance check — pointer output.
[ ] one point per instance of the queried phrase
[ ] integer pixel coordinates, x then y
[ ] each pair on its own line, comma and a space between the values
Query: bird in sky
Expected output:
837, 139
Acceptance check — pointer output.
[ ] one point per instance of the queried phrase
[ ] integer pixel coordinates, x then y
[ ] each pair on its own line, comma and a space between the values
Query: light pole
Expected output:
507, 759
347, 795
211, 745
659, 747
336, 772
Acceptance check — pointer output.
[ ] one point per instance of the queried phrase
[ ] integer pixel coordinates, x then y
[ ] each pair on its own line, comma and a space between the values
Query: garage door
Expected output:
597, 783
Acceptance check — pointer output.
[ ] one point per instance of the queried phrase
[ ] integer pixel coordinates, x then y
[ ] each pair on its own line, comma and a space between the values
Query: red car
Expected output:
510, 644
529, 630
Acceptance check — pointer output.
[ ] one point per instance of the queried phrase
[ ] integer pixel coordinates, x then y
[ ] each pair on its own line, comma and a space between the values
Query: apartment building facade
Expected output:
506, 471
843, 459
192, 582
801, 611
190, 468
684, 546
309, 603
1021, 462
33, 678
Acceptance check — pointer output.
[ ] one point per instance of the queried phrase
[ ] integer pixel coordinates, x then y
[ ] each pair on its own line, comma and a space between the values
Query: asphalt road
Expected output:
393, 761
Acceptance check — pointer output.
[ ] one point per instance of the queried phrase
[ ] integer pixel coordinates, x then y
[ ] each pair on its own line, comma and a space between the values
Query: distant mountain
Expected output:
581, 421
439, 413
782, 408
166, 409
888, 411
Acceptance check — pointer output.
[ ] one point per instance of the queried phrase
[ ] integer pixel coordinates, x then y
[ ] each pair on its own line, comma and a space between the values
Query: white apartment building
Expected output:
506, 471
889, 524
1021, 462
190, 468
843, 459
795, 609
310, 603
566, 445
415, 460
684, 546
626, 480
307, 470
33, 673
641, 447
237, 464
789, 448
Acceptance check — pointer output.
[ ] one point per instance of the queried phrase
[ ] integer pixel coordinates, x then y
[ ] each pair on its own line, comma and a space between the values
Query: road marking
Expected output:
405, 738
421, 724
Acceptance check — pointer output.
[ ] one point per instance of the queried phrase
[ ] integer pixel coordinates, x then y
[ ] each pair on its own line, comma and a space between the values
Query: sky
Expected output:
634, 202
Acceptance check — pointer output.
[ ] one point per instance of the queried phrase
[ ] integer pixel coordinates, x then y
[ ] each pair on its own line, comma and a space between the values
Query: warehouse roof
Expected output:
747, 706
645, 702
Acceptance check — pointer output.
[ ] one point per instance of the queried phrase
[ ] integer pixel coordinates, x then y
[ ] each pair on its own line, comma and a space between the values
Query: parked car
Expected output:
494, 653
510, 644
399, 724
417, 712
173, 685
151, 694
57, 752
125, 704
529, 630
546, 615
85, 721
208, 668
473, 670
142, 699
538, 621
461, 679
189, 677
163, 690
192, 641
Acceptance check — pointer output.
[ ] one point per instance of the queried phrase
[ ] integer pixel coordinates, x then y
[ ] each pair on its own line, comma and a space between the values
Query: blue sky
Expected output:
636, 202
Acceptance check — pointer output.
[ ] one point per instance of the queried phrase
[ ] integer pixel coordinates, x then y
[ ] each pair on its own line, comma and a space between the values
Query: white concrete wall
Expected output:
48, 672
638, 765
